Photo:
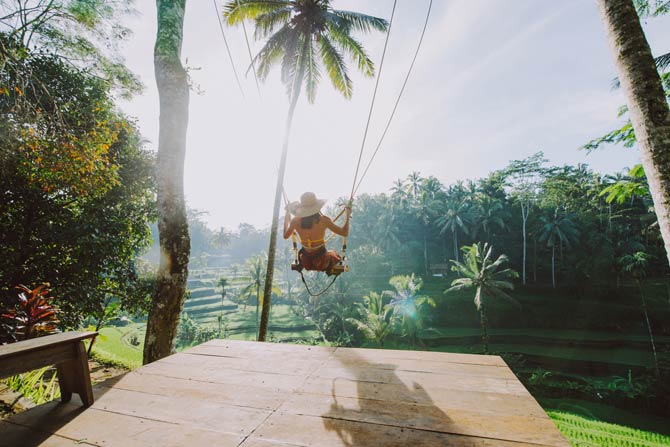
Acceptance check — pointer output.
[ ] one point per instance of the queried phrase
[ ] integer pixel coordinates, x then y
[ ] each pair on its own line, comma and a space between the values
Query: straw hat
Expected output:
307, 206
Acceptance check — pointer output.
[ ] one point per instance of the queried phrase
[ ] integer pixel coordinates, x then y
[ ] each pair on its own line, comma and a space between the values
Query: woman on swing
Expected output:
311, 226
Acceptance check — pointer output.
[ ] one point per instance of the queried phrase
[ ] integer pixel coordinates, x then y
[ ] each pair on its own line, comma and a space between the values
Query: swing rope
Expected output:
395, 106
309, 291
251, 58
225, 42
372, 104
356, 181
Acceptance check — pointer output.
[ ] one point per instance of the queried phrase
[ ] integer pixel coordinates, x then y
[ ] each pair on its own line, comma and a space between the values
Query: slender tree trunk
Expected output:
646, 318
175, 244
609, 218
272, 249
425, 254
647, 103
534, 259
258, 303
524, 218
483, 320
456, 245
553, 266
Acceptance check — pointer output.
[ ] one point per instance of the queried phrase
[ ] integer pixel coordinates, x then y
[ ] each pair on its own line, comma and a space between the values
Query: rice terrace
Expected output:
265, 223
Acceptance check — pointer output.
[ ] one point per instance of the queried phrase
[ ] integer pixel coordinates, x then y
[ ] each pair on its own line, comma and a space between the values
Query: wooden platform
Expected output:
232, 393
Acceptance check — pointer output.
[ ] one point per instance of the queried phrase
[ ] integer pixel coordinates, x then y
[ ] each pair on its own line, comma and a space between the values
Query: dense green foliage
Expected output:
81, 33
568, 222
77, 189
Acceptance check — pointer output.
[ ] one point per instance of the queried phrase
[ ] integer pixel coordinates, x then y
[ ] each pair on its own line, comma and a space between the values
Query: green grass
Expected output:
114, 346
584, 432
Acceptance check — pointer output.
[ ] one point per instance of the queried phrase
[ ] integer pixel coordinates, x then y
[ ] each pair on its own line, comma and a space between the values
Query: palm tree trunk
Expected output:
553, 266
535, 259
171, 79
456, 245
483, 321
258, 303
267, 293
649, 110
524, 218
425, 254
646, 318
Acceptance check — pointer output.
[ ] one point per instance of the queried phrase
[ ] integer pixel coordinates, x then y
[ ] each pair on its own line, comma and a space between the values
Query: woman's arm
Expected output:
289, 225
340, 231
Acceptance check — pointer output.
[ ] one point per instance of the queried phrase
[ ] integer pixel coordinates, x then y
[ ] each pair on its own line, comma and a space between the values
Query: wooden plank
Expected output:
19, 362
254, 346
322, 432
427, 366
248, 396
40, 342
106, 429
12, 435
74, 376
256, 349
223, 376
189, 412
489, 403
270, 365
378, 355
256, 354
535, 430
427, 380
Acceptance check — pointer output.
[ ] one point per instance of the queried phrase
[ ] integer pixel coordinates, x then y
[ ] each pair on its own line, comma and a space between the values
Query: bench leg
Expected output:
74, 377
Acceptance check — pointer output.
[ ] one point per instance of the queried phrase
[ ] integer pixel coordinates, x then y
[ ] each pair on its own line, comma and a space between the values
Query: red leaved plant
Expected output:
33, 316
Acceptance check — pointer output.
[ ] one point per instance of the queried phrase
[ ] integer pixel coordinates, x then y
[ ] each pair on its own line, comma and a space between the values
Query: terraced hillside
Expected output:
205, 305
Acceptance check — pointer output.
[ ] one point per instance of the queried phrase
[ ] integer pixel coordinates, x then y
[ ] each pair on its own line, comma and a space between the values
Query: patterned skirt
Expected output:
321, 260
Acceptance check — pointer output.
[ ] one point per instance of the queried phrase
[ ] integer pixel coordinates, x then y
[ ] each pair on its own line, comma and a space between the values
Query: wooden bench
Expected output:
65, 350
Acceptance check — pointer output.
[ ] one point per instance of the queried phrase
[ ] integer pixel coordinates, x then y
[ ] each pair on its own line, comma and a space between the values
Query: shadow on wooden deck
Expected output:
248, 394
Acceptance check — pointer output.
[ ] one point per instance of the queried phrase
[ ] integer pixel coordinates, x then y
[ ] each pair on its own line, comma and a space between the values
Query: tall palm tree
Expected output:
555, 231
646, 99
489, 214
455, 218
409, 305
636, 266
253, 282
376, 320
414, 182
425, 209
488, 277
175, 244
303, 36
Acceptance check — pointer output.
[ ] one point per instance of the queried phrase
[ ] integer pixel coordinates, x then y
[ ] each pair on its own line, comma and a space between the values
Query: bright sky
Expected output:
495, 80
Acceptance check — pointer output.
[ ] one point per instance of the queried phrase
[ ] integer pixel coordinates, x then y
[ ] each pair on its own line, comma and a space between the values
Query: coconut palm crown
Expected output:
304, 36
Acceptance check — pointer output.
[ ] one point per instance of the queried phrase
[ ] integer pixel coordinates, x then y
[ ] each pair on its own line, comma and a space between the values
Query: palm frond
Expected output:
336, 67
663, 62
272, 51
362, 22
291, 59
267, 23
353, 48
237, 11
458, 287
312, 73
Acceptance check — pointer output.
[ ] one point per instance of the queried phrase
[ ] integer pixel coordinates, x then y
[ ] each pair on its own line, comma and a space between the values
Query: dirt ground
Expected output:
12, 402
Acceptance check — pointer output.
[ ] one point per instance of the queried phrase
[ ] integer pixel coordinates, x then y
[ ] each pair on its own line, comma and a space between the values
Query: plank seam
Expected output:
130, 390
427, 430
274, 411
